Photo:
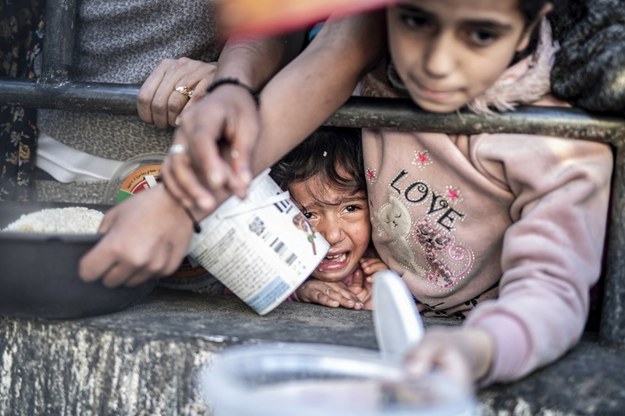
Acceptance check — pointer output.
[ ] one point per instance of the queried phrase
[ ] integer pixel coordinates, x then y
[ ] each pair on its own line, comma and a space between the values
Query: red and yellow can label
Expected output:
138, 181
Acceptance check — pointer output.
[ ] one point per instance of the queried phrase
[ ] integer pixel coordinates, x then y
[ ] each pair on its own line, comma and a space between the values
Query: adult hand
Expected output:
465, 355
145, 237
171, 88
332, 294
219, 134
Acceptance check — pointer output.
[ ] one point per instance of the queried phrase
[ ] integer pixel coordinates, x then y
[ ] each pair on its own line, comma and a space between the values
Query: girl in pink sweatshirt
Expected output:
506, 230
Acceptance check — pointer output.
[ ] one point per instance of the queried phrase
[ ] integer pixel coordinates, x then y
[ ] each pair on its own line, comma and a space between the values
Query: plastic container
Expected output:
135, 175
261, 247
324, 380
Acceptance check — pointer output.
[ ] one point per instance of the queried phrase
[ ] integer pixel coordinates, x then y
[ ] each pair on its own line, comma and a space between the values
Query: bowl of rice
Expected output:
40, 248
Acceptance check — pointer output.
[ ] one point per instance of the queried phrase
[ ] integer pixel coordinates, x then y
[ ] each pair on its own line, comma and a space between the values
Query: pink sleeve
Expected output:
552, 251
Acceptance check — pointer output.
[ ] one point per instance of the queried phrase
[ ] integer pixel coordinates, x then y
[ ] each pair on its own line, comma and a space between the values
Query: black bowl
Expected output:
39, 272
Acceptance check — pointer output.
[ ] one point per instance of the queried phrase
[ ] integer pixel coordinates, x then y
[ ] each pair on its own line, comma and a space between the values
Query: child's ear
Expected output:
527, 33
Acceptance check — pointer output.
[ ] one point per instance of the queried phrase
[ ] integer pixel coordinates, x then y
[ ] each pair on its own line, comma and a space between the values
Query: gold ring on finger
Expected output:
184, 90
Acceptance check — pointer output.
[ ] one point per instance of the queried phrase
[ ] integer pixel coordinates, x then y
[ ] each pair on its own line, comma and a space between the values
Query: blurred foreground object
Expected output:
254, 17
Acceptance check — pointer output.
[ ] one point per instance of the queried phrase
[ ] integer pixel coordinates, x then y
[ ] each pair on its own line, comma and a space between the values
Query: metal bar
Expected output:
58, 45
71, 96
612, 325
551, 121
357, 112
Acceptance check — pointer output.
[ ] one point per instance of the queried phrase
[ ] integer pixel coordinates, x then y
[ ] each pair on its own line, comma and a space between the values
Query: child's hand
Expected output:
362, 281
144, 237
370, 265
363, 276
362, 289
332, 294
215, 140
465, 355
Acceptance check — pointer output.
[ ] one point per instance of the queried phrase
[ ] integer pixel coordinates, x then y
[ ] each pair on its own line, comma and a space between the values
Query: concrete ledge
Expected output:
143, 360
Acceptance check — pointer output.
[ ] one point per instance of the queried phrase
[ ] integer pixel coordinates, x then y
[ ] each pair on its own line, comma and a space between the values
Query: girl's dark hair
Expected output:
589, 69
531, 8
334, 153
562, 14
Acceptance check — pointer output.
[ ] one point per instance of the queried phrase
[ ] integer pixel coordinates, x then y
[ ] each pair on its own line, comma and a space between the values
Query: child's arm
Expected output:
551, 253
332, 294
551, 257
314, 85
292, 105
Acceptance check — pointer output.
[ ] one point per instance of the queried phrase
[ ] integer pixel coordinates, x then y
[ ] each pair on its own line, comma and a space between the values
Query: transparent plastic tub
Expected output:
316, 380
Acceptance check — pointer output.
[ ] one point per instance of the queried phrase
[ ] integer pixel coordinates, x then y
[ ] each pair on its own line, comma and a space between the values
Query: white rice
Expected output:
78, 220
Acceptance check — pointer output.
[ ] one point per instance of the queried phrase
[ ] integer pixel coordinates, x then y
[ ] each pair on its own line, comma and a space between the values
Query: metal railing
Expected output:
56, 90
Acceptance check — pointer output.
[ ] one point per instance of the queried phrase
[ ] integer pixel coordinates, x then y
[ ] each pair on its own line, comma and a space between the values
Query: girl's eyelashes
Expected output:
307, 214
414, 21
414, 18
352, 208
481, 37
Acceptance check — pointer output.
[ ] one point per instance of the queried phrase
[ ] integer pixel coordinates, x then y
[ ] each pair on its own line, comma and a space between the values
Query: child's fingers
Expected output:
376, 267
368, 261
328, 294
371, 265
344, 297
323, 299
314, 292
337, 297
358, 282
430, 357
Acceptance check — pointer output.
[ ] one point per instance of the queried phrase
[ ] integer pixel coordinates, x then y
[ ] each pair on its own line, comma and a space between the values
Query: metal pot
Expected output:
39, 272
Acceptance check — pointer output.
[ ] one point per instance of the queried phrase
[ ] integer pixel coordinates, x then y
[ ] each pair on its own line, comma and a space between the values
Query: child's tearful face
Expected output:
448, 52
342, 218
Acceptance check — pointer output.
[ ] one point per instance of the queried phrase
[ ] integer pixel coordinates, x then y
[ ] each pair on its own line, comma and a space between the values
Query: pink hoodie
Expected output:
507, 226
